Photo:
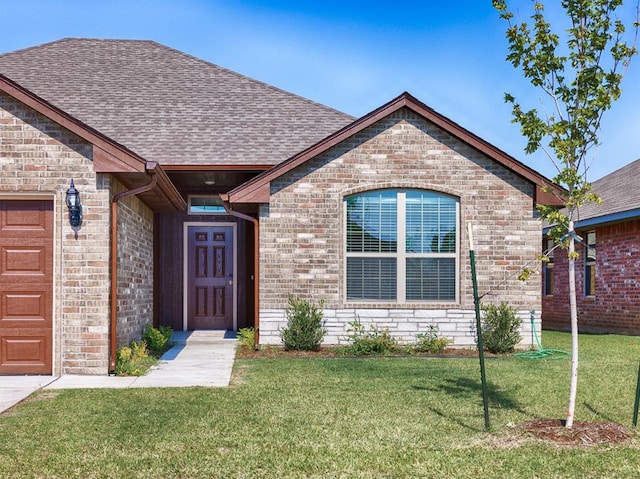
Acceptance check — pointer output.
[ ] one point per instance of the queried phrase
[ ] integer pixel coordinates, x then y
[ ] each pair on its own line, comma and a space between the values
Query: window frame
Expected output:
401, 255
549, 280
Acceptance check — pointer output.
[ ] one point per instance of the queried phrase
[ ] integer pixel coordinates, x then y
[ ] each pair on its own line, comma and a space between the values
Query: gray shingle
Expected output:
168, 106
619, 192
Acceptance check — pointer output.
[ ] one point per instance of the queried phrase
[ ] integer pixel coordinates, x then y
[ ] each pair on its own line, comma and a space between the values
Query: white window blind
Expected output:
401, 245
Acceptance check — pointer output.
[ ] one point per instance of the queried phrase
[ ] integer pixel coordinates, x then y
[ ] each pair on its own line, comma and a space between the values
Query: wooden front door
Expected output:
26, 286
210, 277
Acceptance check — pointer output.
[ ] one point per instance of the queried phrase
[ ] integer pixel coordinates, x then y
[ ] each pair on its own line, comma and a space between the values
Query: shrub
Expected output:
247, 338
429, 342
133, 360
500, 328
166, 331
305, 326
374, 341
157, 338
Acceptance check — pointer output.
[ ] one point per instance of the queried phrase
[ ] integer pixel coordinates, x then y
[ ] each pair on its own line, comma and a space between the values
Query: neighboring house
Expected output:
209, 197
608, 269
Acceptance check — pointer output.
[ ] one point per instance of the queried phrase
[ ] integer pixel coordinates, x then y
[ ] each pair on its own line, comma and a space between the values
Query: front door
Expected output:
26, 286
210, 277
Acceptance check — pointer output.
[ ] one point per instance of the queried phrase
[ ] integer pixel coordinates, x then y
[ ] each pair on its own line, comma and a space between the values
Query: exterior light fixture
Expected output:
74, 205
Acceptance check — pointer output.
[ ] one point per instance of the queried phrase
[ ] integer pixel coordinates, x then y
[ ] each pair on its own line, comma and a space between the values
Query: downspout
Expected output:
256, 266
113, 320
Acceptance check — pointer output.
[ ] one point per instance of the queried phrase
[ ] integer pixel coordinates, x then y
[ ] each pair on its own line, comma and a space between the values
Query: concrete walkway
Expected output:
198, 358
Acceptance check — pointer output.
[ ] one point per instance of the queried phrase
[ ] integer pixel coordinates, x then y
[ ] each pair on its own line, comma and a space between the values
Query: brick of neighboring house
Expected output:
302, 230
615, 307
39, 157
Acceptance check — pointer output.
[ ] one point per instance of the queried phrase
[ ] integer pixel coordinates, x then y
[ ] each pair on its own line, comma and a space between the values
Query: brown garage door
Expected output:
26, 286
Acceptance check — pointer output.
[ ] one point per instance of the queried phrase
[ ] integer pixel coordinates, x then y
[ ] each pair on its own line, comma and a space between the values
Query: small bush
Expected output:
166, 331
247, 338
305, 326
500, 328
429, 342
157, 338
133, 360
374, 341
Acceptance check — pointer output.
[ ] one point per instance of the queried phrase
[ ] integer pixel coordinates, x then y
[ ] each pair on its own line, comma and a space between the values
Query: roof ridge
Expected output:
253, 80
68, 39
186, 55
171, 106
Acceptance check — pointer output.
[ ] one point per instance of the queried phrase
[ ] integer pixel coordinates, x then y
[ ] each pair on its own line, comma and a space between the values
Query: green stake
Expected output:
476, 301
635, 406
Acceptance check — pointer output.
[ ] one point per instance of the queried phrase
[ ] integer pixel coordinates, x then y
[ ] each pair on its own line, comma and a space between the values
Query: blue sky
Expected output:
351, 55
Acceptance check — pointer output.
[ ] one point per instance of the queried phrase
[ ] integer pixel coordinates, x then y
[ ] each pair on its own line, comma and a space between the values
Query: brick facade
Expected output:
302, 229
615, 308
38, 159
135, 269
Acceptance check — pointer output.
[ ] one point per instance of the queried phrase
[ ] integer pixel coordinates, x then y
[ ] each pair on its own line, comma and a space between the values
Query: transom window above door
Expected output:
205, 205
401, 246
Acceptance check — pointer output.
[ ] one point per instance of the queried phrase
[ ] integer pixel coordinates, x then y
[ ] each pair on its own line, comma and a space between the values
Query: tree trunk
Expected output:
573, 388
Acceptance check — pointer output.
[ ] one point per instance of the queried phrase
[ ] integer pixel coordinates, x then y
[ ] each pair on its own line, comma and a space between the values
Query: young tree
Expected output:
579, 74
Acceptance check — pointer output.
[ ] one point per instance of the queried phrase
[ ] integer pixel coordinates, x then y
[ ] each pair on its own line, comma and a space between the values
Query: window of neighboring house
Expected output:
590, 265
401, 246
548, 268
205, 205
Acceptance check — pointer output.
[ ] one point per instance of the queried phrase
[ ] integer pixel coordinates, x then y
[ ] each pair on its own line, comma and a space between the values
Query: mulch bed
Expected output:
273, 352
583, 433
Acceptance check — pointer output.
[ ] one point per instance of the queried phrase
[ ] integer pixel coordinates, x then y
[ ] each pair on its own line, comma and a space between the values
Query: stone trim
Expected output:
458, 325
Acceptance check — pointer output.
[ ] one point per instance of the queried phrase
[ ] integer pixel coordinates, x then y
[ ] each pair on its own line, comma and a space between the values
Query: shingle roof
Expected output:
168, 106
619, 192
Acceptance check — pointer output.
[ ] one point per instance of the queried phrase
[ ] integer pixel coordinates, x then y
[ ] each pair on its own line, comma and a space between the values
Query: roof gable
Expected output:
168, 106
258, 189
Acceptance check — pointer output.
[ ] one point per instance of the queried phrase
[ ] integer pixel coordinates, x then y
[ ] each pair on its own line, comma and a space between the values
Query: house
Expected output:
208, 198
608, 269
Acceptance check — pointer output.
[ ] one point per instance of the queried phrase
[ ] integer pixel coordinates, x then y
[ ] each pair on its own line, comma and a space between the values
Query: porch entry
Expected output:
26, 286
210, 285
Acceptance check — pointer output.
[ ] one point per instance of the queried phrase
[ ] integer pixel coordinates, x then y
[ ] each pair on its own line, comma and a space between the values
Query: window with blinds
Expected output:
590, 265
401, 245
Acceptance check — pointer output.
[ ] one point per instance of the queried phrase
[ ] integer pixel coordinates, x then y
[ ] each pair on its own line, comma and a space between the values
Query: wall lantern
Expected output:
74, 205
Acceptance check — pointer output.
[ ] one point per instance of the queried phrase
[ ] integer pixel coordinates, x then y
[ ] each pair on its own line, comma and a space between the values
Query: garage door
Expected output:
26, 286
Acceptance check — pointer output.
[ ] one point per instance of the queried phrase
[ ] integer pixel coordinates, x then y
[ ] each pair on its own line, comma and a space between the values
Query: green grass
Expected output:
334, 418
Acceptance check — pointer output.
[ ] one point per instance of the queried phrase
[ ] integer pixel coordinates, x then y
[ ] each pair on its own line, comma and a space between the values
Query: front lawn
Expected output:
335, 418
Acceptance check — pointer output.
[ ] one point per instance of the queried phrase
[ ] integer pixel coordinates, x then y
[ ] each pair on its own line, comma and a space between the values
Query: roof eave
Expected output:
604, 220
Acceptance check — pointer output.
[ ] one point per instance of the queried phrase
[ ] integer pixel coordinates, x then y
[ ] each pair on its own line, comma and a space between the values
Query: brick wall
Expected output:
302, 229
135, 269
615, 308
38, 156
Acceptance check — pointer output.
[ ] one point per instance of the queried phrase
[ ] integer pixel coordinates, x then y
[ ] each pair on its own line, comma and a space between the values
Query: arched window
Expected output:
401, 246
